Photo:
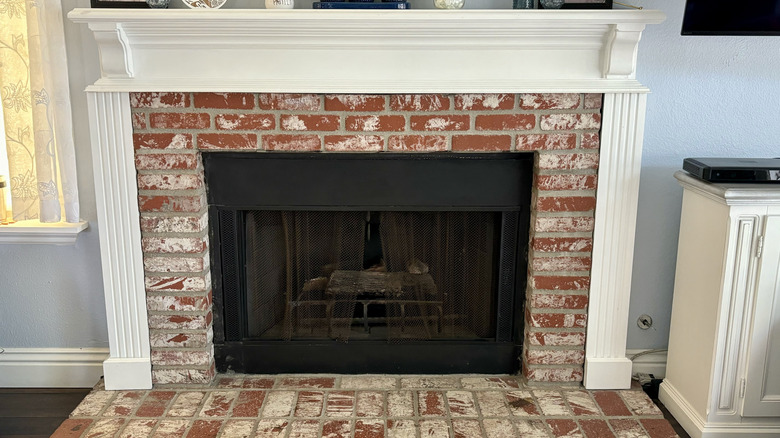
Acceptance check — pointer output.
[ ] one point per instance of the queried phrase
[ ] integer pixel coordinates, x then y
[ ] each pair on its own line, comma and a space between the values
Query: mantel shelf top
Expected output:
367, 51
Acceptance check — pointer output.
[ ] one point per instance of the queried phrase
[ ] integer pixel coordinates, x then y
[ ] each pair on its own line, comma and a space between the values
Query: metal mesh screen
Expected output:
331, 275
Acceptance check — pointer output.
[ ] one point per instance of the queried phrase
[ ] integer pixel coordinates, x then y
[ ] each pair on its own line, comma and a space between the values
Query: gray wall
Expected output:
52, 296
712, 96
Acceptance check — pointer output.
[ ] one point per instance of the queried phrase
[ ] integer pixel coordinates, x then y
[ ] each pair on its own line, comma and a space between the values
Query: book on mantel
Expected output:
360, 5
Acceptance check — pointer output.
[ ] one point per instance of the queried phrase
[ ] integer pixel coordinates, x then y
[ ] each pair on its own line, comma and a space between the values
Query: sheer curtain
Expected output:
36, 111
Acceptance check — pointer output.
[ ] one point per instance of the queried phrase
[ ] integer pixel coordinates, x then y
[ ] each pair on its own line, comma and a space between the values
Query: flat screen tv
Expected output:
729, 17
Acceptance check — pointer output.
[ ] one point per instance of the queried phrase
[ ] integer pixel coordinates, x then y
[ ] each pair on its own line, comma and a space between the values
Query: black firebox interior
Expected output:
368, 263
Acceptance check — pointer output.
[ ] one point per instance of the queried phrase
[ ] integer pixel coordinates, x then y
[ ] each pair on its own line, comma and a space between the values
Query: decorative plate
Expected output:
205, 4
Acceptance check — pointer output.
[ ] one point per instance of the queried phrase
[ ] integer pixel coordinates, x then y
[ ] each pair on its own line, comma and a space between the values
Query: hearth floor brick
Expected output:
366, 406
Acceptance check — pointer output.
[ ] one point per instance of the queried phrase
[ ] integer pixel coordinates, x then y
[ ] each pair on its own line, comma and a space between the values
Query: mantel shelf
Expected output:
367, 51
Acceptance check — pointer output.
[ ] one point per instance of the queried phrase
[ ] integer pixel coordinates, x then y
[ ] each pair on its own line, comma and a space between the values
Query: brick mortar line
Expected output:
516, 108
564, 234
580, 293
203, 212
562, 214
175, 192
537, 311
175, 234
555, 330
558, 273
193, 256
572, 193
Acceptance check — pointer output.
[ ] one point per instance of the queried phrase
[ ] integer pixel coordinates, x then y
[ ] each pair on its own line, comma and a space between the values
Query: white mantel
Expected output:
416, 51
365, 51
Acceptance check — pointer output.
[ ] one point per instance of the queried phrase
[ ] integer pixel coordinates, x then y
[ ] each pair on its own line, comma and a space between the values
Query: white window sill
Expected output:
34, 232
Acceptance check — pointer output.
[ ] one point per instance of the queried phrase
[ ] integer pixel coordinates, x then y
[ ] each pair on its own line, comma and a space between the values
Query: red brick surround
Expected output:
171, 128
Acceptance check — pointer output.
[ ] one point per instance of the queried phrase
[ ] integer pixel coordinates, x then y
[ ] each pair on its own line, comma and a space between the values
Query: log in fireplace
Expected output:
382, 263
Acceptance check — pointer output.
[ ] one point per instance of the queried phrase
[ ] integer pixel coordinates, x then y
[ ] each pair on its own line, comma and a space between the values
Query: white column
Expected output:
129, 364
623, 119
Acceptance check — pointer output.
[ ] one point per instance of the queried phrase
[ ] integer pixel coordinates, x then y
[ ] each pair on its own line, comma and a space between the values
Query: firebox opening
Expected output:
354, 275
353, 263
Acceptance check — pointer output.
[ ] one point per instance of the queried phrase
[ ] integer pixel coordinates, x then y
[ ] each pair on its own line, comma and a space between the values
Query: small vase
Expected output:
522, 4
158, 4
551, 4
279, 4
449, 4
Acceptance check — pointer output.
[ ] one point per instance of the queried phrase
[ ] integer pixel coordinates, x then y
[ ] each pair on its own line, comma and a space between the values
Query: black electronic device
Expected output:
727, 17
734, 170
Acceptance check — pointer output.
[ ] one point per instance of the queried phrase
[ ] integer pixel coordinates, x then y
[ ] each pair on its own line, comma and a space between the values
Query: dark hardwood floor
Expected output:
36, 412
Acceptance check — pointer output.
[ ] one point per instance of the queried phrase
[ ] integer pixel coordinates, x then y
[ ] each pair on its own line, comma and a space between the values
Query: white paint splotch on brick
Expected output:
364, 143
491, 101
138, 428
178, 322
272, 428
557, 339
93, 404
176, 264
238, 428
105, 427
434, 429
461, 404
560, 122
551, 403
179, 340
568, 161
278, 403
499, 428
179, 376
563, 224
561, 264
183, 284
370, 123
169, 182
172, 245
368, 382
492, 403
174, 224
401, 429
550, 100
640, 403
186, 404
181, 357
293, 123
532, 428
581, 403
429, 382
555, 357
400, 404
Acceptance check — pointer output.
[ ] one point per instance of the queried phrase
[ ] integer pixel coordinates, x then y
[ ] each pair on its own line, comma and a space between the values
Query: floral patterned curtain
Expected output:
36, 109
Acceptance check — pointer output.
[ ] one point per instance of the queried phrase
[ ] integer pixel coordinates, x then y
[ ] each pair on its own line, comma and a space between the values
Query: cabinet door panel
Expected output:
762, 389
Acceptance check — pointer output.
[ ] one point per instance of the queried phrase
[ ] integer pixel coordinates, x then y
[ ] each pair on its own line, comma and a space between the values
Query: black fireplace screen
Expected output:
368, 262
362, 275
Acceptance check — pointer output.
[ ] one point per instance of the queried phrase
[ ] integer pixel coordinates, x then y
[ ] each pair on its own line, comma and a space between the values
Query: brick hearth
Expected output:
312, 406
171, 129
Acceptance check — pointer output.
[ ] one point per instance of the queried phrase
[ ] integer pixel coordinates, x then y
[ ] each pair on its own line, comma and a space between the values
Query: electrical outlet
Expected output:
644, 322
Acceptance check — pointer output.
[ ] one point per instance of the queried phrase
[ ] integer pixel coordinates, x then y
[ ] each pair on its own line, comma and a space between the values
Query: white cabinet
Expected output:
723, 368
762, 387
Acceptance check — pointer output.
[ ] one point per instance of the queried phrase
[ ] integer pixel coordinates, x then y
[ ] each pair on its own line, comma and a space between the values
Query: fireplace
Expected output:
158, 294
382, 263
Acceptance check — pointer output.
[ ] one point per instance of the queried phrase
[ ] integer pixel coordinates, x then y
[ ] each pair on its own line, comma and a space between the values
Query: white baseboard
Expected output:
51, 367
653, 363
727, 426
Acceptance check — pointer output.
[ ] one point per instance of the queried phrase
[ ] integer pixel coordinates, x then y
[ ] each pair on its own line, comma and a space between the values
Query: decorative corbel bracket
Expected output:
621, 50
116, 57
